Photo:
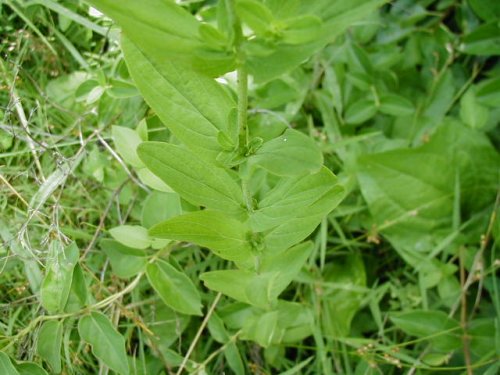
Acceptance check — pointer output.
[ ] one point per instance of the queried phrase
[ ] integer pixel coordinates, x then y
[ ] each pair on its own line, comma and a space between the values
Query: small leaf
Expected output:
224, 235
159, 207
483, 41
290, 154
125, 261
49, 343
262, 329
175, 289
198, 182
126, 142
6, 367
395, 105
30, 368
232, 283
56, 284
302, 29
255, 14
133, 236
107, 344
360, 111
472, 113
291, 196
435, 326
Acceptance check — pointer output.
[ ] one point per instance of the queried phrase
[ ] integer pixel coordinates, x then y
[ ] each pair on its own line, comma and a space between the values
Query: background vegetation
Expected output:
405, 106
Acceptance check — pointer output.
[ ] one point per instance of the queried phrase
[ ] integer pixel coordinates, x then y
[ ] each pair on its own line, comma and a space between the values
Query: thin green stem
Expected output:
242, 105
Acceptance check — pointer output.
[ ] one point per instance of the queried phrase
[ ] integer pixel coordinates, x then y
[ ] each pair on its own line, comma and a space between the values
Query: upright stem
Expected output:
242, 75
242, 105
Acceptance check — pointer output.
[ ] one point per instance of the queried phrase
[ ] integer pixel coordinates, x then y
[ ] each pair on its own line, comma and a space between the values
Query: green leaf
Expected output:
435, 326
175, 289
234, 359
125, 261
162, 28
395, 105
107, 344
126, 142
232, 283
488, 92
293, 153
291, 196
133, 236
78, 294
360, 111
303, 224
302, 29
260, 288
483, 41
224, 235
159, 207
262, 329
486, 9
6, 367
196, 181
30, 368
254, 14
49, 344
56, 285
343, 293
471, 112
195, 108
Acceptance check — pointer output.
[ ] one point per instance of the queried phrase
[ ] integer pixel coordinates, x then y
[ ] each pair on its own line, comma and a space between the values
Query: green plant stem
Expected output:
242, 106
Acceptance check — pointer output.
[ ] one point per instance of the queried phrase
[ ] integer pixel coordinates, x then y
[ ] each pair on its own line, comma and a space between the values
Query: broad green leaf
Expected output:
159, 207
254, 14
107, 344
174, 287
166, 324
6, 367
483, 41
395, 105
121, 89
224, 235
78, 294
30, 368
472, 113
133, 236
281, 269
49, 344
302, 29
488, 92
126, 142
483, 335
343, 293
336, 16
303, 224
198, 182
443, 332
292, 195
162, 28
232, 283
233, 358
125, 261
360, 111
154, 182
260, 288
486, 9
195, 108
293, 153
262, 329
56, 285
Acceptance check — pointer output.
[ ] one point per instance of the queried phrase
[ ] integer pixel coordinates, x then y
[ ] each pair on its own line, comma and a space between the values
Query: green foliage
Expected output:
249, 186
